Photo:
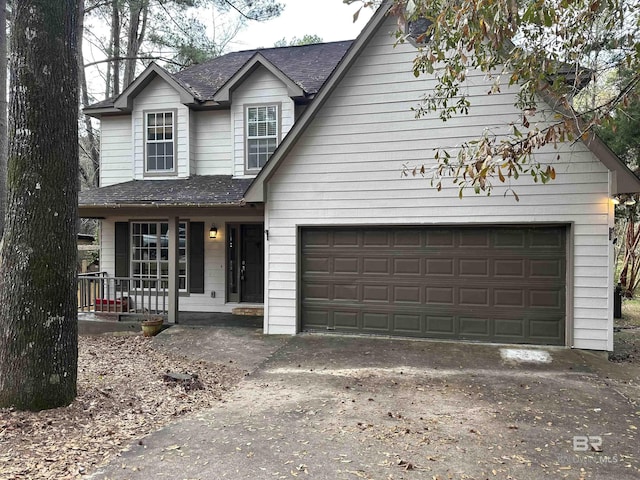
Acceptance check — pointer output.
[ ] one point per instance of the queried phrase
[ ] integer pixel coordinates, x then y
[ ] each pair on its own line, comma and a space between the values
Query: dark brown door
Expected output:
494, 284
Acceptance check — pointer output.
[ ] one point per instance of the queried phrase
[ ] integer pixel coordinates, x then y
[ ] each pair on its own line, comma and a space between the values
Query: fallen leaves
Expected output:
121, 397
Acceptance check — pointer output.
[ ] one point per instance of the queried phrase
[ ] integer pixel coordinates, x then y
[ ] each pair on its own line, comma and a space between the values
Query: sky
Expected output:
331, 20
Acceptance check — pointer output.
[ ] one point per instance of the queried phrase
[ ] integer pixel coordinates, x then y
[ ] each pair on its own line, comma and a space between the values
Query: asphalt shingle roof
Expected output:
308, 66
202, 191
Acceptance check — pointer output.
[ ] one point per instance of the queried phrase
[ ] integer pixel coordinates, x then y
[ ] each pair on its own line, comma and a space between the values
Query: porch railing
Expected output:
97, 292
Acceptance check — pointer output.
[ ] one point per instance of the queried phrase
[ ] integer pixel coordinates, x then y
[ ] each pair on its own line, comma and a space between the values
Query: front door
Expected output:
245, 262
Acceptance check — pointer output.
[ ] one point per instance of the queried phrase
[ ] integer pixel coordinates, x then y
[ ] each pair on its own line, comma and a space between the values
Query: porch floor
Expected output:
90, 324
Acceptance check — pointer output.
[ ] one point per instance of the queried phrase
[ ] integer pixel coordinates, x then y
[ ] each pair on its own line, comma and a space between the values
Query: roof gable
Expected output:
223, 95
304, 69
125, 100
625, 181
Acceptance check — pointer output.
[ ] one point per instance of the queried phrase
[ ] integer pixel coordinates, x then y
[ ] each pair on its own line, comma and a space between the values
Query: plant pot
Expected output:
152, 327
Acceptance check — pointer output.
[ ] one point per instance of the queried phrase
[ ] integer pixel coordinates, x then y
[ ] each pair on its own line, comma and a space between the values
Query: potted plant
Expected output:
152, 325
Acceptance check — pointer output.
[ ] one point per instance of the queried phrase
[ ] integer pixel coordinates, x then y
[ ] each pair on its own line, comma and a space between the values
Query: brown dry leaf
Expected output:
121, 397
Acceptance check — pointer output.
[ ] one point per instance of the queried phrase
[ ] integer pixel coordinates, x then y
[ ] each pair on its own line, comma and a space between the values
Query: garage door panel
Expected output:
318, 238
375, 293
549, 237
546, 329
509, 268
473, 238
440, 238
443, 295
406, 266
480, 283
376, 322
407, 324
346, 320
376, 238
508, 297
439, 266
316, 264
375, 266
316, 291
510, 328
509, 238
406, 293
346, 265
546, 268
473, 267
316, 319
475, 327
546, 298
407, 238
473, 296
443, 326
346, 239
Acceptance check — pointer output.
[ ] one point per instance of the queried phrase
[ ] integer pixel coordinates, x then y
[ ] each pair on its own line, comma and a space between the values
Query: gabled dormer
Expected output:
223, 117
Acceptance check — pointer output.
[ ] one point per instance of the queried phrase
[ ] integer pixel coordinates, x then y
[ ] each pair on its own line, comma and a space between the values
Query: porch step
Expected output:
252, 311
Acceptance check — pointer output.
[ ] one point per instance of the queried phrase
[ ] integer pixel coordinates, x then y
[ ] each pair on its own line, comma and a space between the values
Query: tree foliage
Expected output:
538, 47
124, 36
307, 39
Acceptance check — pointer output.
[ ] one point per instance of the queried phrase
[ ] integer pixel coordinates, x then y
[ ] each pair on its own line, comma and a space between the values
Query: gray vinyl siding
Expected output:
261, 88
212, 144
116, 163
160, 96
346, 170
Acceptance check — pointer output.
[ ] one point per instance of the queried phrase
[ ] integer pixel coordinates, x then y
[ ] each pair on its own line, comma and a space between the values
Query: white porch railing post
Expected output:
173, 270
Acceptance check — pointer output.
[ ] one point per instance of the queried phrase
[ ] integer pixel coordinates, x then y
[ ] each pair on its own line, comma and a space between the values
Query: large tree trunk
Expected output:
3, 112
38, 318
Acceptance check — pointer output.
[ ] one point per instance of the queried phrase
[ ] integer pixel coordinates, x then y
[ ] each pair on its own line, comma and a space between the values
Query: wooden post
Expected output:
174, 284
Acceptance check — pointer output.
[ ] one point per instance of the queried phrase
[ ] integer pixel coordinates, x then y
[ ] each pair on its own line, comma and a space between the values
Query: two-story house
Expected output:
273, 178
184, 148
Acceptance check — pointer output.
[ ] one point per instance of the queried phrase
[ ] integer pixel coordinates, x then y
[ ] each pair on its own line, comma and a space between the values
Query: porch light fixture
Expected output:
213, 232
616, 200
630, 201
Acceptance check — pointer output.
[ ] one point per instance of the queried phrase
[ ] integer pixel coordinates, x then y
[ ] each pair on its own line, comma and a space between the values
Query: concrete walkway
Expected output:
334, 407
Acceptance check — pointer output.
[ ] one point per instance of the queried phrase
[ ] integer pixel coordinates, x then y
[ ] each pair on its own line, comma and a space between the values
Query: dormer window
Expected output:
262, 132
160, 143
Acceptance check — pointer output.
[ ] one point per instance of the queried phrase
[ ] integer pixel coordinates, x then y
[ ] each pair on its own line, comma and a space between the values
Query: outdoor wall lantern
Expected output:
213, 232
624, 199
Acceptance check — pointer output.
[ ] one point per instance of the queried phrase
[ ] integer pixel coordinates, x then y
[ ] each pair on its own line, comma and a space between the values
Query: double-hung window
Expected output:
262, 134
150, 254
160, 142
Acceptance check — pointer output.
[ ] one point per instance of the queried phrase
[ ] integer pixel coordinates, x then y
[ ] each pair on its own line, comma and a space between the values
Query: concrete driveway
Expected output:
334, 407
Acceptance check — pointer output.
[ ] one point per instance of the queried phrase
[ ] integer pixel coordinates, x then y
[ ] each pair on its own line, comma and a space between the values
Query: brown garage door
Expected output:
495, 284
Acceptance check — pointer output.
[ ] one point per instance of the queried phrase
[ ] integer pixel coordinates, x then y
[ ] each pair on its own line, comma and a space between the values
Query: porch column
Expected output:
173, 270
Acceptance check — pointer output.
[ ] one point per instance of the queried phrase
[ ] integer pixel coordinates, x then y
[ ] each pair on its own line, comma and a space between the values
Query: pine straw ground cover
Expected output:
122, 397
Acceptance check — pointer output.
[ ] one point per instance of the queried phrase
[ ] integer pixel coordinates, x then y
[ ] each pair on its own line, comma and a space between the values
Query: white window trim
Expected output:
158, 259
278, 107
146, 142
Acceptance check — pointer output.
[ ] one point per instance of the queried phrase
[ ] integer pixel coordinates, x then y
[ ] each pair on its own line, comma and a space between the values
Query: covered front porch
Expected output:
171, 247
